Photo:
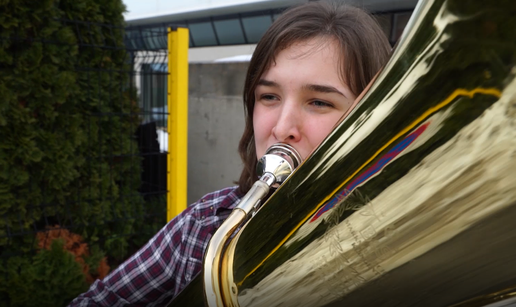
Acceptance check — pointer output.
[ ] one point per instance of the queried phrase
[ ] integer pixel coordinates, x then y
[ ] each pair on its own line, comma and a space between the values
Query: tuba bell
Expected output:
410, 200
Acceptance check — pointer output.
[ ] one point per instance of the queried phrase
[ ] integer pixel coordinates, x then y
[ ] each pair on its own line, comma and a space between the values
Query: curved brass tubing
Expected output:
411, 200
491, 300
213, 294
276, 165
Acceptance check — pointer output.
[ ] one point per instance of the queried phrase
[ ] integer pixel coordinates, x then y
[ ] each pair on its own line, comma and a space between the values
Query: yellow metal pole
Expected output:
177, 121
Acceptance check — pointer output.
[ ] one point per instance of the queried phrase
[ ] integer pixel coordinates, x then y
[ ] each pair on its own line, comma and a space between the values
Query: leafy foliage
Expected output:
50, 278
68, 155
93, 263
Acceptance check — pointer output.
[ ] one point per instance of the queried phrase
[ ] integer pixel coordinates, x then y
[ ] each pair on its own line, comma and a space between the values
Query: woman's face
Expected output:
301, 97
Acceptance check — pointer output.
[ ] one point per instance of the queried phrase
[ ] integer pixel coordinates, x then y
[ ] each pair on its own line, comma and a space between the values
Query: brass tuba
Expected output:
411, 200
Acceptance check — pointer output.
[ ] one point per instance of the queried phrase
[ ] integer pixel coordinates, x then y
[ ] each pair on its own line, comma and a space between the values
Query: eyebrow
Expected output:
310, 87
323, 89
268, 83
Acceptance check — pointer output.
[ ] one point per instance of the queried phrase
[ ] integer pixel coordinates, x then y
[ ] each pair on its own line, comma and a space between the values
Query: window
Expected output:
255, 27
229, 32
202, 34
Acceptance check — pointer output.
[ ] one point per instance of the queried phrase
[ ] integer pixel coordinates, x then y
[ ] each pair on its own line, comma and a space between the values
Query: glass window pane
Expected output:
202, 34
153, 95
255, 27
155, 38
229, 32
133, 39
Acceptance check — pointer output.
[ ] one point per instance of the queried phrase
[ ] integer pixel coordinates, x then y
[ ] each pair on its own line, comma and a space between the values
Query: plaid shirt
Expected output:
168, 262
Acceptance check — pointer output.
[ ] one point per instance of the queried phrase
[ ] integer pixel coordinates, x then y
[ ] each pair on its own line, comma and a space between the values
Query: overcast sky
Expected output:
145, 8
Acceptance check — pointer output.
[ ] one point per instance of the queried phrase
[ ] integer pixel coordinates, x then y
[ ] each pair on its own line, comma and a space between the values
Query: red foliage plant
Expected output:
73, 243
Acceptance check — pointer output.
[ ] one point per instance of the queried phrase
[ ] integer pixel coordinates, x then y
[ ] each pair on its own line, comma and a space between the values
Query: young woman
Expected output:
305, 74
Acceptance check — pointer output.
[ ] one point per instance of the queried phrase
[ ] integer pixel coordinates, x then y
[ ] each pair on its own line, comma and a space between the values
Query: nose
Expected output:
288, 125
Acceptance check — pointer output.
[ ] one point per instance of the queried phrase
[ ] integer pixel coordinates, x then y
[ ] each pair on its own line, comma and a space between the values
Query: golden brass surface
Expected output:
275, 167
212, 258
500, 298
411, 200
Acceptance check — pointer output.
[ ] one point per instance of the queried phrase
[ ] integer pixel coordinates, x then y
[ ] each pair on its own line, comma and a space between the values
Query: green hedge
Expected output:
68, 114
51, 278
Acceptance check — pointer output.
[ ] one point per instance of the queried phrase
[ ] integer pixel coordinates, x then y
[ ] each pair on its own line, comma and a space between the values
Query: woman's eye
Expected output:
321, 104
268, 97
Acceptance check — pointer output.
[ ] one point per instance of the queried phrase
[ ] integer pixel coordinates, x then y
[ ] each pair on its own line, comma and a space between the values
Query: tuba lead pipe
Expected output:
274, 168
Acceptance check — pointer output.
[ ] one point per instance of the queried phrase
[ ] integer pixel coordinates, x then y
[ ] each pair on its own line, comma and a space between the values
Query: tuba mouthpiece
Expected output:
280, 160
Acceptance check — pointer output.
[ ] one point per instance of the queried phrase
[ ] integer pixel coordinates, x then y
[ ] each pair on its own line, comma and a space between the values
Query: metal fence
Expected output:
115, 196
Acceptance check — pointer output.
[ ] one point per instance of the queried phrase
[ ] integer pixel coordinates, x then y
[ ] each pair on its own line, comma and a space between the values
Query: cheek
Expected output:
320, 129
259, 123
262, 125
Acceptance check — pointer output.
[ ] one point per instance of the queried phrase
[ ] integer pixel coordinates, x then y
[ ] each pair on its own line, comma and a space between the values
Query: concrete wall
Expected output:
215, 124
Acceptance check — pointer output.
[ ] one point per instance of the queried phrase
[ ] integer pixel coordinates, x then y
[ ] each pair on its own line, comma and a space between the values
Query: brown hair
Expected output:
365, 49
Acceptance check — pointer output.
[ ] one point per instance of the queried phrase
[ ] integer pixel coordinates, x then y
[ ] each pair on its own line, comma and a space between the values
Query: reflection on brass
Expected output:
213, 292
411, 200
501, 296
274, 168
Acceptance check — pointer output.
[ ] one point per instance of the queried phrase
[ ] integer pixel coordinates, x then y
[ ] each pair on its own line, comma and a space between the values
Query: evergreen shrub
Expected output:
50, 278
68, 155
